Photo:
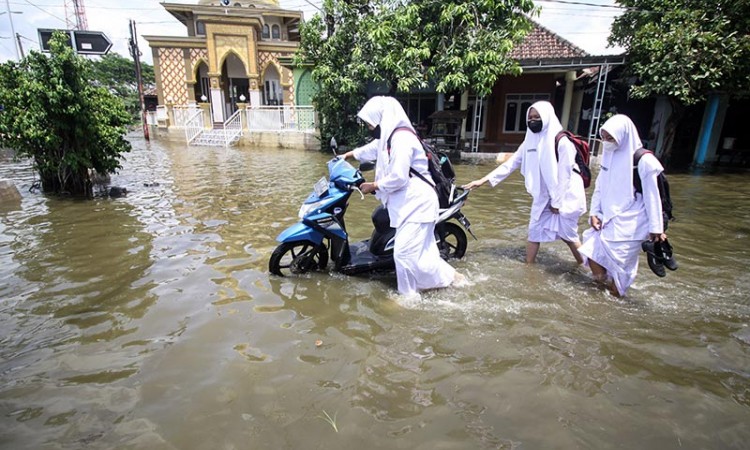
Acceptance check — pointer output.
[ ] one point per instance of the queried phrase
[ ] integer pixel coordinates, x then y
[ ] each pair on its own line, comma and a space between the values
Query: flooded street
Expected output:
151, 322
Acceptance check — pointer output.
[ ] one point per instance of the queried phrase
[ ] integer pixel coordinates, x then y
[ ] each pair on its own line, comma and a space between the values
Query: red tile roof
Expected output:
542, 43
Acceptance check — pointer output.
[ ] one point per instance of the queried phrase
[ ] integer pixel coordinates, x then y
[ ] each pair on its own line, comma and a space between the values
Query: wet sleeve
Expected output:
402, 148
368, 152
649, 168
505, 169
565, 162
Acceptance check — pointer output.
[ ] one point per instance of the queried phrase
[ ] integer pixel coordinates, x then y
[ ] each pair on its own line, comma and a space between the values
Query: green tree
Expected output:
117, 74
458, 44
685, 50
55, 116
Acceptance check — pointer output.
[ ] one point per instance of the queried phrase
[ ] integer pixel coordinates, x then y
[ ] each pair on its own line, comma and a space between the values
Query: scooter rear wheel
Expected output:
296, 258
451, 240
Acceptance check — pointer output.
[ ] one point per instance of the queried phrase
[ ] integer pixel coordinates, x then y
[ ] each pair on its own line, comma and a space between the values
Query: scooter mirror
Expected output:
366, 166
334, 144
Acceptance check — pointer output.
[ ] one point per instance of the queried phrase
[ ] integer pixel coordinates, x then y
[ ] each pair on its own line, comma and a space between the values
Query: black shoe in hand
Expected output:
666, 250
654, 259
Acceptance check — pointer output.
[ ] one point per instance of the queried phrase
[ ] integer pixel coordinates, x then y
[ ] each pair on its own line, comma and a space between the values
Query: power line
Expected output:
95, 7
572, 2
46, 12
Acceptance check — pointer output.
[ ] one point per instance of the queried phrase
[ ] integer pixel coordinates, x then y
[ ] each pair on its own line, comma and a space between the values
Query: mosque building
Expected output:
229, 59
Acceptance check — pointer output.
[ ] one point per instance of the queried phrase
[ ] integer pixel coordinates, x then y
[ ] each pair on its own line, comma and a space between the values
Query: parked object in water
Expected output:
307, 245
118, 191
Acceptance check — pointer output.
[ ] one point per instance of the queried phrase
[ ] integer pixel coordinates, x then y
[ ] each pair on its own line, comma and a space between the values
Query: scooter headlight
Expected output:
307, 208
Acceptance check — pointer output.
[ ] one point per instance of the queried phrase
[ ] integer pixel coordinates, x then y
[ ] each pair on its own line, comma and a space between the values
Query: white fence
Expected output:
285, 118
281, 118
183, 114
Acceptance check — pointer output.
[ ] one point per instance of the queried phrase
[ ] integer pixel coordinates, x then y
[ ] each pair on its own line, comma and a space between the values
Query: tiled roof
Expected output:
542, 43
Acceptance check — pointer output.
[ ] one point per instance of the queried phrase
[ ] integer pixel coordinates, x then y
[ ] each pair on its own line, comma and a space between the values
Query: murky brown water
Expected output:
150, 322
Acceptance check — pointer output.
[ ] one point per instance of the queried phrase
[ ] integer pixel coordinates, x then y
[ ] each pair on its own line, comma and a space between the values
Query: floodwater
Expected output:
151, 322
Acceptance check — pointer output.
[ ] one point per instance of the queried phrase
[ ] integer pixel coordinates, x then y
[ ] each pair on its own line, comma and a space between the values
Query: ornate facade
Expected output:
229, 57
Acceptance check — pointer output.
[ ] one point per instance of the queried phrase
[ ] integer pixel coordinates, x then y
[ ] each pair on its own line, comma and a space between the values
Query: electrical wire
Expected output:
46, 12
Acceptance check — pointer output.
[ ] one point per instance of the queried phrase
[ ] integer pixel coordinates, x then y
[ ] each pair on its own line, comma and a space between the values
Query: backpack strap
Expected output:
411, 169
388, 142
558, 137
637, 183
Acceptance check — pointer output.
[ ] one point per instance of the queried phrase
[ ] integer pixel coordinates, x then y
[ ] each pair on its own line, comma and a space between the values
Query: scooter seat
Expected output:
381, 220
382, 232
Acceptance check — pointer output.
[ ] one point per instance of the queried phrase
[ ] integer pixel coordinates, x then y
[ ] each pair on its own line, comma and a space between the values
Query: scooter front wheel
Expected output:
451, 241
295, 258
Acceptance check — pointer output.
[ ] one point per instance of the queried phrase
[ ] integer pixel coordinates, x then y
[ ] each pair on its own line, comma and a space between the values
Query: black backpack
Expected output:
661, 182
440, 167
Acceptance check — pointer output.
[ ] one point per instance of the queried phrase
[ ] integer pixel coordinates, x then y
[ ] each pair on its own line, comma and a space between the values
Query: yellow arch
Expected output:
226, 55
197, 66
279, 70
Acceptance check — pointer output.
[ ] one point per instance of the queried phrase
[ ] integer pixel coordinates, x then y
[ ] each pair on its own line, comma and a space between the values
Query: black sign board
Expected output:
83, 42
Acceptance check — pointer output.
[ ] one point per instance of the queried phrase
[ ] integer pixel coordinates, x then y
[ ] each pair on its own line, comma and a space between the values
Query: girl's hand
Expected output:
596, 223
657, 237
368, 188
474, 184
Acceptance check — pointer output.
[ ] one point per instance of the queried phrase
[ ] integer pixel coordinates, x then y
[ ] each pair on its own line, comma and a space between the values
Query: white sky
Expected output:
585, 23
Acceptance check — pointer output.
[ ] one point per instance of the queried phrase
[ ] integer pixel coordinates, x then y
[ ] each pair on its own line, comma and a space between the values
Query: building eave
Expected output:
176, 41
183, 12
566, 64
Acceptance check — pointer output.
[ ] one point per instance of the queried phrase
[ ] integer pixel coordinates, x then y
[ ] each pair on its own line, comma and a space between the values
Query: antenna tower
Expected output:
75, 15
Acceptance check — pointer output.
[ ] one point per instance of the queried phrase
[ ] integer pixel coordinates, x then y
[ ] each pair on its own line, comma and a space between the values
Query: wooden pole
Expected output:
139, 78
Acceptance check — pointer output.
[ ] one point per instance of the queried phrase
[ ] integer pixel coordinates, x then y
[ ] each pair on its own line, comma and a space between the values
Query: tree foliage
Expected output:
54, 115
117, 74
686, 49
457, 44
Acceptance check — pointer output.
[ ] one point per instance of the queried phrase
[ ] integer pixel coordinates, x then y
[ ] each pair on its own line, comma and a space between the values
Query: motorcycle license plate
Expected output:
320, 187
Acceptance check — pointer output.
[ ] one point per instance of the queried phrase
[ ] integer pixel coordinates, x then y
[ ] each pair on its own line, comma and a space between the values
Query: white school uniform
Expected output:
627, 218
412, 203
550, 181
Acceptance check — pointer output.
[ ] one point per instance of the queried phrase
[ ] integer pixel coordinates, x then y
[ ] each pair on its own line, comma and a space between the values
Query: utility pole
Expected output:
12, 29
20, 46
139, 77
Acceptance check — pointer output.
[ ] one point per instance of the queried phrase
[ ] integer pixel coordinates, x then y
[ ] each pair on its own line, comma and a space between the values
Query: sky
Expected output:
584, 23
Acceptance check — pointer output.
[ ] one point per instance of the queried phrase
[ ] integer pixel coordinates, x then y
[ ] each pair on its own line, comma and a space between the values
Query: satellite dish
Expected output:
225, 2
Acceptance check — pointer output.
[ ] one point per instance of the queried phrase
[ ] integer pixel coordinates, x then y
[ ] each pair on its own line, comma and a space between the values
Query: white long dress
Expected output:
412, 203
568, 196
627, 217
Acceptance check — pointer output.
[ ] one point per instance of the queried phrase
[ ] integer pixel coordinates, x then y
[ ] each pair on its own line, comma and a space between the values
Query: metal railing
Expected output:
233, 128
281, 118
194, 126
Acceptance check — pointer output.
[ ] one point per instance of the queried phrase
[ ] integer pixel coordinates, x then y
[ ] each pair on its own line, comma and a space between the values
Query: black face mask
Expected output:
375, 132
534, 125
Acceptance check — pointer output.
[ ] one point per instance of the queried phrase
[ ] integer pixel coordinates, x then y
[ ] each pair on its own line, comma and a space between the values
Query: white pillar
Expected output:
570, 78
254, 97
217, 104
463, 107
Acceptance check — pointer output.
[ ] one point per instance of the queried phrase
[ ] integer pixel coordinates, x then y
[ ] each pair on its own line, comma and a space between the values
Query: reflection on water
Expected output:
150, 322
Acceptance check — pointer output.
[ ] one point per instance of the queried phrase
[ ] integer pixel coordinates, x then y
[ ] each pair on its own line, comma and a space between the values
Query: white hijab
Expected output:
389, 114
617, 166
539, 161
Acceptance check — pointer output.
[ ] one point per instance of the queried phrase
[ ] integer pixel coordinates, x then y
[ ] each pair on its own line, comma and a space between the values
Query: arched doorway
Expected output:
202, 86
235, 85
272, 93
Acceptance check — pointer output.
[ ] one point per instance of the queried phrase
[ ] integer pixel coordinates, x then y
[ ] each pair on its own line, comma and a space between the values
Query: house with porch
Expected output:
225, 77
553, 69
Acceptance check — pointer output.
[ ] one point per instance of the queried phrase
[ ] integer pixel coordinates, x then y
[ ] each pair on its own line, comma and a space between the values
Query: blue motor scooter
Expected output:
306, 245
